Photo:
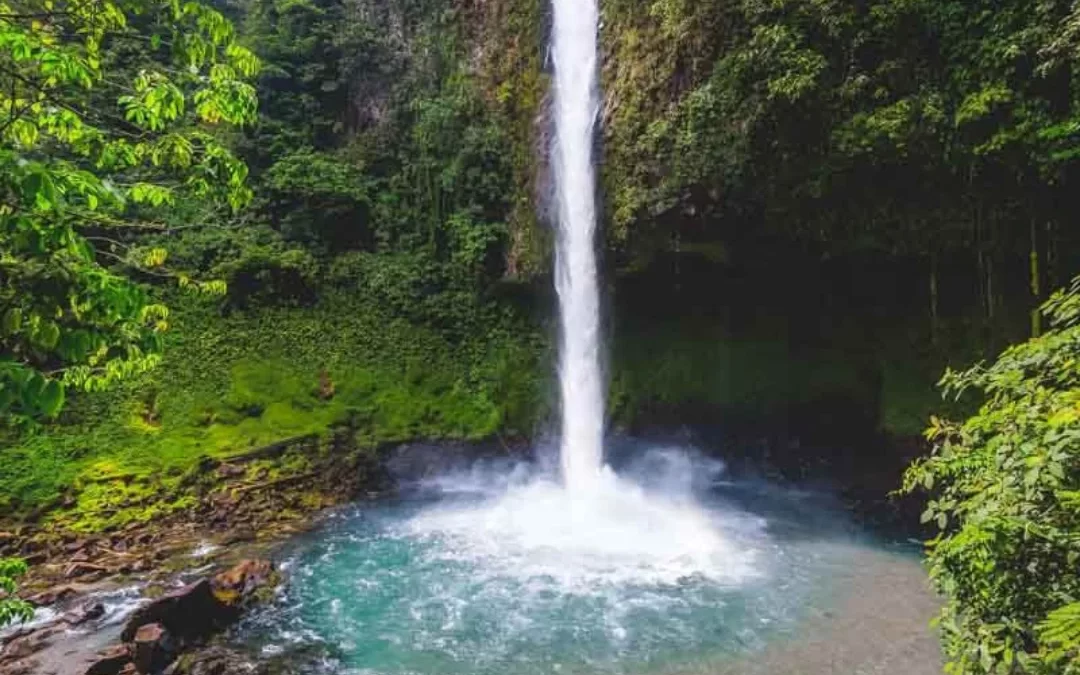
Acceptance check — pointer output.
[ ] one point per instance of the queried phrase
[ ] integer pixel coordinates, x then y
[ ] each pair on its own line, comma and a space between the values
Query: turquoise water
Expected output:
481, 577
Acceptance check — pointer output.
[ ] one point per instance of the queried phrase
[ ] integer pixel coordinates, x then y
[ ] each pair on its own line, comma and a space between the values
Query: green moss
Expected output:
235, 383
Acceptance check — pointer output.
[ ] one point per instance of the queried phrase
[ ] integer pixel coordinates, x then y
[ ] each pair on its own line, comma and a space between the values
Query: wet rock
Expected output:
111, 662
19, 667
201, 608
27, 645
152, 649
243, 582
242, 534
90, 611
190, 612
86, 571
52, 596
217, 661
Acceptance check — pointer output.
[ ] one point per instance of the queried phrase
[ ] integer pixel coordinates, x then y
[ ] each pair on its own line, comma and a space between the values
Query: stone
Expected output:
90, 611
52, 596
110, 662
217, 661
241, 534
228, 471
29, 644
188, 613
237, 585
37, 558
24, 667
78, 570
152, 649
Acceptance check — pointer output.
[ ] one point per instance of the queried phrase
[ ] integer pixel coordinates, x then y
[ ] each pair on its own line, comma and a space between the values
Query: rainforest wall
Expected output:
809, 210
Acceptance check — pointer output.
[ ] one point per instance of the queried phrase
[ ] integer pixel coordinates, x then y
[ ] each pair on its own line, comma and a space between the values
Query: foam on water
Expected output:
614, 533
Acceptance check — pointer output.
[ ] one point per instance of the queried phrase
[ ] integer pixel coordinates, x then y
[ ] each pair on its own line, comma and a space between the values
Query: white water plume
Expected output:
616, 533
574, 50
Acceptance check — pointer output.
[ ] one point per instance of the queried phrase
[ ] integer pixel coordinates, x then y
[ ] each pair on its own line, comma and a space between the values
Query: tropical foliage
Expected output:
110, 111
11, 607
1005, 495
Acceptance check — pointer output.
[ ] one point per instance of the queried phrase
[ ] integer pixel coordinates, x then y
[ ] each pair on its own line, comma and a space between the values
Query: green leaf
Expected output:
51, 399
12, 321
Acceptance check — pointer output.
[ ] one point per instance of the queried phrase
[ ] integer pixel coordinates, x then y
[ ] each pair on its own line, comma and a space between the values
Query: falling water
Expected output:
574, 51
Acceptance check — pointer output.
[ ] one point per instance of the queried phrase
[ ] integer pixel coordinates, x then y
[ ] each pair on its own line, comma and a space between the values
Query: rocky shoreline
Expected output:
94, 593
209, 559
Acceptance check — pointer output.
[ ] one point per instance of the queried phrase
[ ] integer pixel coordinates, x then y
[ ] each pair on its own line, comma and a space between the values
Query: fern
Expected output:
1060, 635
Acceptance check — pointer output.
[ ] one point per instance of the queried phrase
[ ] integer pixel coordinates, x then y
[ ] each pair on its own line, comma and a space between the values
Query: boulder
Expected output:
217, 660
88, 612
52, 596
26, 645
188, 613
244, 582
152, 649
206, 606
110, 662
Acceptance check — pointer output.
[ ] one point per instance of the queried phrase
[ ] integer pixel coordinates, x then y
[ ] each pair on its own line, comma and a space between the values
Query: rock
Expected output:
241, 534
227, 471
88, 612
52, 596
153, 648
188, 613
111, 662
78, 570
29, 644
241, 583
217, 661
37, 558
201, 608
25, 667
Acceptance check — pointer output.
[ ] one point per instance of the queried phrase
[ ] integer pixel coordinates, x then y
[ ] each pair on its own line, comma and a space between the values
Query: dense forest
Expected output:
230, 225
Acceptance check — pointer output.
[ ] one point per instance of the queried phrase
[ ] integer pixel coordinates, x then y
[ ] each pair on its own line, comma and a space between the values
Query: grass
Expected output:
229, 384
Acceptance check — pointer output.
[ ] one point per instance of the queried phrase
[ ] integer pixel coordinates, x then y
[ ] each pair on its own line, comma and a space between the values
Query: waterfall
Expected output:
574, 50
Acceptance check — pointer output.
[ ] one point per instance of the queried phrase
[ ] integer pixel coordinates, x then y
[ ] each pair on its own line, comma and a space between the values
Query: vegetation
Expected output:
11, 607
1005, 487
109, 109
810, 208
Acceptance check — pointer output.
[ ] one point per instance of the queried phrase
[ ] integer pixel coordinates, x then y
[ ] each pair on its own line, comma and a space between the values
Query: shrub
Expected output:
12, 609
1004, 490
